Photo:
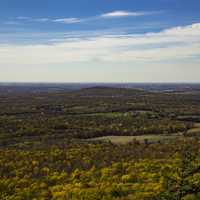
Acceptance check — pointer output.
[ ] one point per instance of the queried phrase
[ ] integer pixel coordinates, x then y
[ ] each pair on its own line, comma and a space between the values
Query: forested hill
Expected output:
66, 87
109, 92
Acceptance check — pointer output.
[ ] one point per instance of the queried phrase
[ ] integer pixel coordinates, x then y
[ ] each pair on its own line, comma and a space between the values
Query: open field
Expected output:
140, 138
195, 131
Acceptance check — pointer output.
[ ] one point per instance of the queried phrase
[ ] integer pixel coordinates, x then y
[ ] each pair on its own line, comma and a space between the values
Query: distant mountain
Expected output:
102, 91
98, 87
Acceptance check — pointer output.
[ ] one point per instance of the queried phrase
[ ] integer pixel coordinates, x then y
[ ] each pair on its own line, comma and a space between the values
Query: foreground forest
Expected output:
57, 144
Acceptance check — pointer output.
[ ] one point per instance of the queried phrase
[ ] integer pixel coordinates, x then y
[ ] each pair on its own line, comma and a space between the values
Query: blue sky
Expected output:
100, 40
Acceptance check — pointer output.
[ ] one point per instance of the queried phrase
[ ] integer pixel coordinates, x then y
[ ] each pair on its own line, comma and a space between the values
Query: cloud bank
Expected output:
173, 52
174, 43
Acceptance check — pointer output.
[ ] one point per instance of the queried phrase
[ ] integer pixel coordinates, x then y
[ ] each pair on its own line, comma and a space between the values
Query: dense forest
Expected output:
58, 144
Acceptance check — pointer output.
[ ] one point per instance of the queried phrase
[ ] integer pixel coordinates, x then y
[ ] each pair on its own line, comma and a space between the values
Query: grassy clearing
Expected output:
150, 138
141, 138
109, 114
197, 125
195, 130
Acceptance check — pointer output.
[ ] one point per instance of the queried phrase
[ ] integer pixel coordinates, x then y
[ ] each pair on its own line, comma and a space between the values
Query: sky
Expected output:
100, 41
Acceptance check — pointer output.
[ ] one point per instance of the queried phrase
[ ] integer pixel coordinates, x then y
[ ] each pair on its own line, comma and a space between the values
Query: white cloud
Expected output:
23, 18
41, 19
122, 13
12, 23
30, 19
71, 20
